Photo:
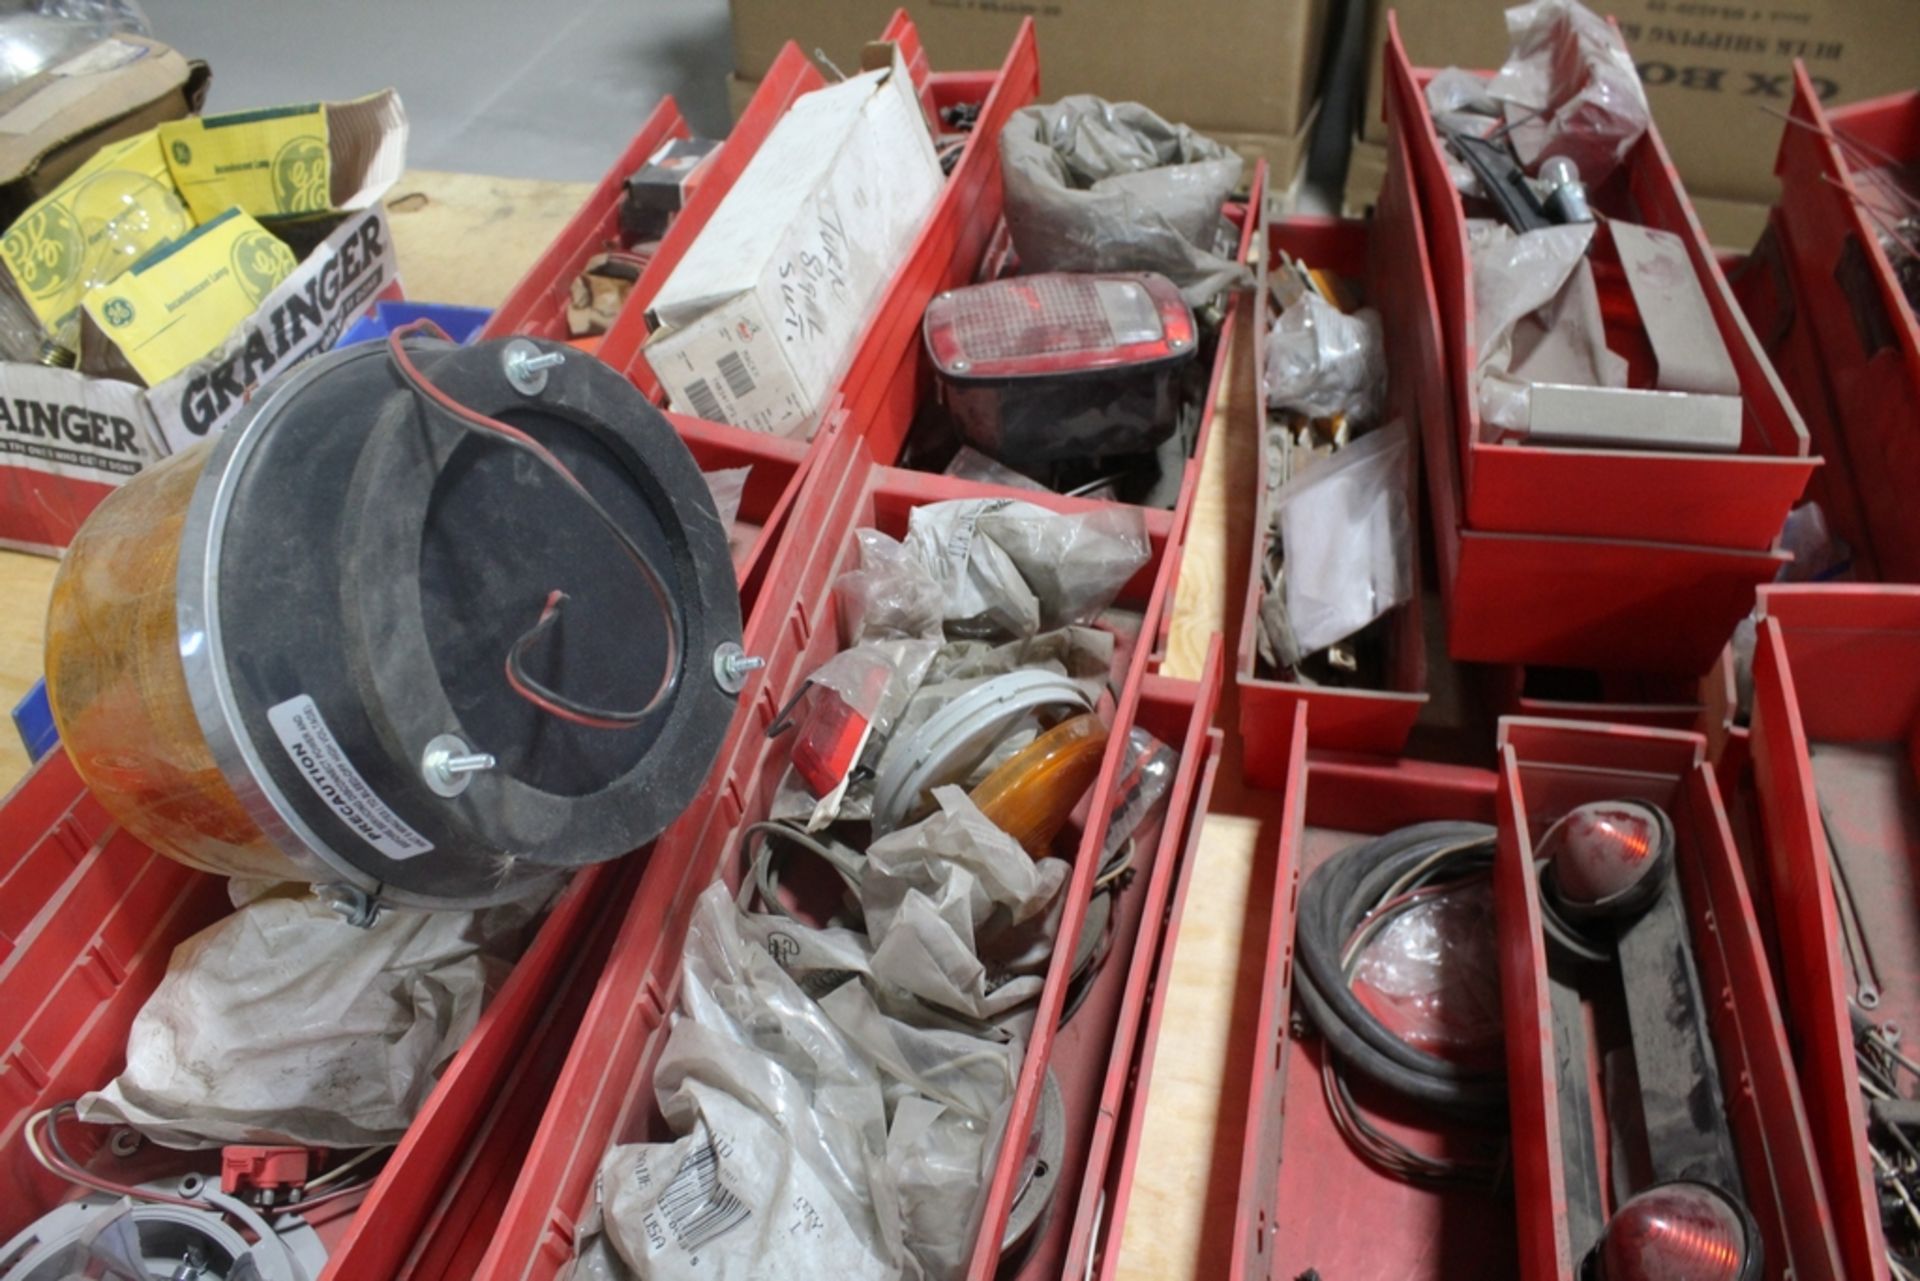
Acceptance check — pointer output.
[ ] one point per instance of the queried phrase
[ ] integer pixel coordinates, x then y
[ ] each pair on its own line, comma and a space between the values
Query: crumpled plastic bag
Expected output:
283, 1024
822, 1140
1432, 974
948, 1094
781, 1168
939, 895
969, 463
1010, 568
1536, 319
1459, 102
1322, 361
1347, 530
1093, 185
1574, 83
891, 595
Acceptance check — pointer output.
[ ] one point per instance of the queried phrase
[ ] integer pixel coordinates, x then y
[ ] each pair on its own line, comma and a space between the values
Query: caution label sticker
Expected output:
324, 764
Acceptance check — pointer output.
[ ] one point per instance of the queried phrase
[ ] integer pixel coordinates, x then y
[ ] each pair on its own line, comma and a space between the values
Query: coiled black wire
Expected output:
1336, 900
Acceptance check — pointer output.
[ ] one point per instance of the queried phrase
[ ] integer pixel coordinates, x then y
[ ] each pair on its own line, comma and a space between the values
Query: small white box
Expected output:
758, 320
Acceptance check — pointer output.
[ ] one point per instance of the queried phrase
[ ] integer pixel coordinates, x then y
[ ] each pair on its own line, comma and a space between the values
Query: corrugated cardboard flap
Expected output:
102, 83
367, 139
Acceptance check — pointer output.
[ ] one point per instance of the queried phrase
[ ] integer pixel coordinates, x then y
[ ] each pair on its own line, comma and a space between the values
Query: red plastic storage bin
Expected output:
101, 914
1546, 769
1603, 603
1360, 720
605, 1094
1306, 1200
1836, 703
948, 246
1609, 698
1731, 501
1848, 300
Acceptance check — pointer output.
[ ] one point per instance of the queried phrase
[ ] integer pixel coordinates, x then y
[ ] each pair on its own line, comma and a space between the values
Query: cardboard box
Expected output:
1711, 68
51, 123
753, 325
1238, 66
1366, 174
1284, 153
67, 440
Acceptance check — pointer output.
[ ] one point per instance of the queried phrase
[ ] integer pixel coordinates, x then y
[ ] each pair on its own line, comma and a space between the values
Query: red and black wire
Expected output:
526, 686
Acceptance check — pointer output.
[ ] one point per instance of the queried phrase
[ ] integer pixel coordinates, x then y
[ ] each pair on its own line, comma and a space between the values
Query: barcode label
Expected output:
705, 404
697, 1206
734, 369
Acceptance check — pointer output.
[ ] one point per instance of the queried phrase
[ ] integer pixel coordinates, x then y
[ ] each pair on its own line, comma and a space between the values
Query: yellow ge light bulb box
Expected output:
183, 299
110, 213
271, 163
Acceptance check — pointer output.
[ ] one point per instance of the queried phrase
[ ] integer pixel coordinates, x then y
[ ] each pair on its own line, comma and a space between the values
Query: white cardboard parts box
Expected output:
67, 440
760, 316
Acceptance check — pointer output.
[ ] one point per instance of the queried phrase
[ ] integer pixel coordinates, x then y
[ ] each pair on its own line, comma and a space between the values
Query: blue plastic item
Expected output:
33, 717
461, 323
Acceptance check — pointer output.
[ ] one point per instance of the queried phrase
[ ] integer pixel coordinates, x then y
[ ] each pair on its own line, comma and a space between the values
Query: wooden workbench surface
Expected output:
463, 238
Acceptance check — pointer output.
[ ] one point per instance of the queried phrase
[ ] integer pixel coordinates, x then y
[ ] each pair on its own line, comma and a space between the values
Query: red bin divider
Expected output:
1844, 294
1732, 501
604, 1094
1306, 1200
1836, 701
1610, 604
76, 977
1347, 719
1546, 769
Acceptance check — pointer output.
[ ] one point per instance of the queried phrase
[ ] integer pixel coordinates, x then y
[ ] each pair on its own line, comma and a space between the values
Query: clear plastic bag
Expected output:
1819, 555
874, 681
1011, 568
1575, 87
890, 595
39, 34
1433, 973
1093, 185
1322, 361
1144, 779
970, 464
1347, 530
835, 1139
283, 1024
940, 895
1459, 102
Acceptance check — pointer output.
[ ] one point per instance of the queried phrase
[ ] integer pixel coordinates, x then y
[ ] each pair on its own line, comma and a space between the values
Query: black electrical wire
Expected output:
1337, 898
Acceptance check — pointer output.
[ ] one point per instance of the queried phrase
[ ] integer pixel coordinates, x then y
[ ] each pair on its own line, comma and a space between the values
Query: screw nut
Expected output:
448, 765
526, 366
732, 665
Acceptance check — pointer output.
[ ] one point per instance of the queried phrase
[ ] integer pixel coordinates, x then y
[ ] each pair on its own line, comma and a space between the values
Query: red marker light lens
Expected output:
1677, 1232
1608, 857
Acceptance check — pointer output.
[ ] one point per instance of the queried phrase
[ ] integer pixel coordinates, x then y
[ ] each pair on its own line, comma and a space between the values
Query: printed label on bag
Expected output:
322, 762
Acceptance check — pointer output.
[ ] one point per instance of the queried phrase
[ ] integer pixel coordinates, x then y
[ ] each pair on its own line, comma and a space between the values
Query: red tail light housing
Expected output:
1678, 1232
1046, 368
1608, 858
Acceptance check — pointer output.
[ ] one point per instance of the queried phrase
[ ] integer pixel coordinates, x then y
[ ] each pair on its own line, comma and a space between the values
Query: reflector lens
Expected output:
1674, 1232
1603, 851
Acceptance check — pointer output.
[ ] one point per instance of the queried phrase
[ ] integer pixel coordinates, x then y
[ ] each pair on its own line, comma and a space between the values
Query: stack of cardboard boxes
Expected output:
1243, 71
